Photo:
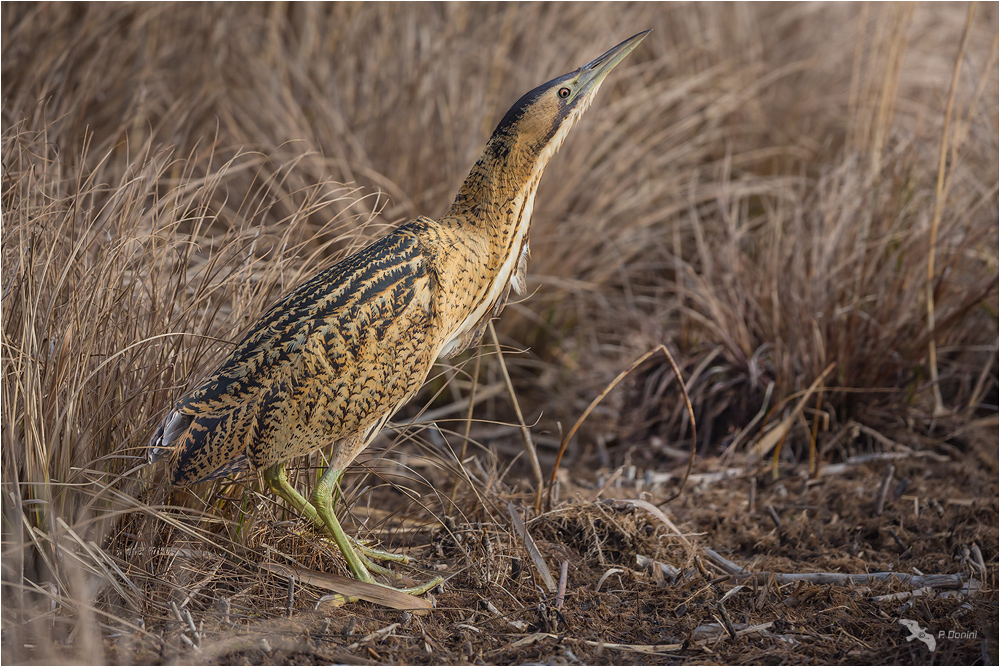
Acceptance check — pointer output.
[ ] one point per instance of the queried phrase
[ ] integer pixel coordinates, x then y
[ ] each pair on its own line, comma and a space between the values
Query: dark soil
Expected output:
940, 508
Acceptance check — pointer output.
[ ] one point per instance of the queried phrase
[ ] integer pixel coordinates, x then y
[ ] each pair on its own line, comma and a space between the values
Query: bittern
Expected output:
336, 357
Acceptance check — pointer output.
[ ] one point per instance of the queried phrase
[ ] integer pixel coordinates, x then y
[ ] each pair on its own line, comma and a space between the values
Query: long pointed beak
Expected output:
593, 73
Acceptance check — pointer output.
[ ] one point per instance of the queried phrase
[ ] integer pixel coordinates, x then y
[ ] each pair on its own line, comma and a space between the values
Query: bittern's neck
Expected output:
499, 192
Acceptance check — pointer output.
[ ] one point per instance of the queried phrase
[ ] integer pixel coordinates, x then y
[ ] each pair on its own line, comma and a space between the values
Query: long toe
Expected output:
423, 588
378, 554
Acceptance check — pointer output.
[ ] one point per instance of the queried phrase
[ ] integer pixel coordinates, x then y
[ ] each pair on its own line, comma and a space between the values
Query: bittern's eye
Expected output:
564, 92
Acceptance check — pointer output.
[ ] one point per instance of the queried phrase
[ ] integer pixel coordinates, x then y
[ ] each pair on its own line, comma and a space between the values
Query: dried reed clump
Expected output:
117, 289
783, 220
757, 188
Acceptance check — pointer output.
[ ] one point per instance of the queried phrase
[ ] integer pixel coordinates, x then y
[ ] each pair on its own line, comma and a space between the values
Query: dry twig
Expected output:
529, 543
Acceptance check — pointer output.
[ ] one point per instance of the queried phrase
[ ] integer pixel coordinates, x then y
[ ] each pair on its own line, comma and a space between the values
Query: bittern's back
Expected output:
351, 343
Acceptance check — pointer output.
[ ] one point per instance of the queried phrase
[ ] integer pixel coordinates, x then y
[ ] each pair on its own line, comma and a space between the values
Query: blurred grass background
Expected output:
759, 186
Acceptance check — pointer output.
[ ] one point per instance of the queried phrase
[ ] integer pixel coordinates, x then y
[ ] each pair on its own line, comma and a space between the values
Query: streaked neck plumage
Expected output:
487, 226
499, 192
492, 210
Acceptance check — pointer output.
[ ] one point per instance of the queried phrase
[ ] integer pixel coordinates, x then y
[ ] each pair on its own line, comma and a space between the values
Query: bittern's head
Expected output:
539, 122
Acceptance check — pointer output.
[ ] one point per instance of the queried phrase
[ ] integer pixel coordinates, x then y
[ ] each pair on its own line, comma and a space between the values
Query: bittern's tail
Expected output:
165, 439
184, 439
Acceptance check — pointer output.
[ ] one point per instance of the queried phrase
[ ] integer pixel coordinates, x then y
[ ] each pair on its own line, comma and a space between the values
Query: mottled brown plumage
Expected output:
335, 358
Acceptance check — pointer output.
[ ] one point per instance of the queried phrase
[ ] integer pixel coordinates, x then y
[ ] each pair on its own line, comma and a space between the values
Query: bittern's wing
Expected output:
328, 360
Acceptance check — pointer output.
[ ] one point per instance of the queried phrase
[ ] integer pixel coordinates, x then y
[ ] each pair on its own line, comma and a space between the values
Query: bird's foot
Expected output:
360, 557
361, 546
420, 589
370, 555
339, 599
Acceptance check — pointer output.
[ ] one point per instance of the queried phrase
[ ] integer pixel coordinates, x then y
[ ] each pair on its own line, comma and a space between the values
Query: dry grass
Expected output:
756, 188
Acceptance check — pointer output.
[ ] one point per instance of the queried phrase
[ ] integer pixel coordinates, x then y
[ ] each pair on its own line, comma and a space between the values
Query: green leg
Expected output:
277, 481
322, 500
320, 511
